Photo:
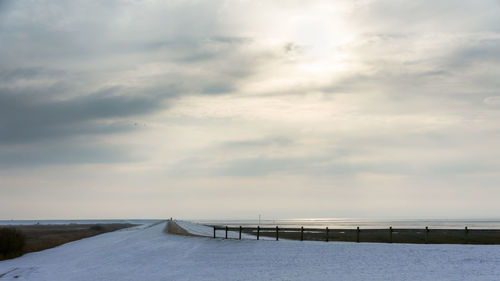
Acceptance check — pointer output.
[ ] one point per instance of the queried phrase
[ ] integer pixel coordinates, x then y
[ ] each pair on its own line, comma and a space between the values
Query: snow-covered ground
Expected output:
147, 253
203, 230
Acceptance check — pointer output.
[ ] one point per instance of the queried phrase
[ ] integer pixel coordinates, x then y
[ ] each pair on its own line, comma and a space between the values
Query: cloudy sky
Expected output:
230, 109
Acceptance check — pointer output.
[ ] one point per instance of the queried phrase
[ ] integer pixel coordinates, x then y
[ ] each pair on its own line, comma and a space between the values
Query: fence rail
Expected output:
386, 235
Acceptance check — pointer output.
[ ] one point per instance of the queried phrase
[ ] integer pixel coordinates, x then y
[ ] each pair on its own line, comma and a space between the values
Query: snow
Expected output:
146, 252
202, 230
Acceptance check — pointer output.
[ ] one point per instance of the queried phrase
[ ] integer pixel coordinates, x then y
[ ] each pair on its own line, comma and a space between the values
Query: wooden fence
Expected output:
387, 235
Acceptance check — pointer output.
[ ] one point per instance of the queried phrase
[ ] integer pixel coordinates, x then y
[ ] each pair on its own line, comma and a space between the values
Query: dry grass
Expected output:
41, 237
174, 228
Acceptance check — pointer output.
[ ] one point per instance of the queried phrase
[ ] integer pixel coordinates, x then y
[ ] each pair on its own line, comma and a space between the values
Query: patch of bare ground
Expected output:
173, 228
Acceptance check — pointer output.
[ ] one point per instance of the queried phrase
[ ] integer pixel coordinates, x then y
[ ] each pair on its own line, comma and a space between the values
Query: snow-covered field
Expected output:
147, 253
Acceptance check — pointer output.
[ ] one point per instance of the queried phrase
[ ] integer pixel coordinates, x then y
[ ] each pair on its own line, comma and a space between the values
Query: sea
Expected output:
350, 223
332, 223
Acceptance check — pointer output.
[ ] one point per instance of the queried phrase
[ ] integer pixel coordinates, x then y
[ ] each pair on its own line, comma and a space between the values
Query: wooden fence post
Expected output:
466, 235
390, 234
426, 234
327, 233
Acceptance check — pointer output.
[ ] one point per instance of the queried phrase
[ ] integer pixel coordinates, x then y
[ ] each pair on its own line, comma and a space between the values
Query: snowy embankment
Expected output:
202, 230
148, 253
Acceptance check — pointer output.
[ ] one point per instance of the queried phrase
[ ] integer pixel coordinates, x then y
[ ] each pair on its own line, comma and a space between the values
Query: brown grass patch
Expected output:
41, 237
174, 228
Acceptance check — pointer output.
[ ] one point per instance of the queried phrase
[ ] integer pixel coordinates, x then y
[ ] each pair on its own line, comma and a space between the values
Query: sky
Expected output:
231, 109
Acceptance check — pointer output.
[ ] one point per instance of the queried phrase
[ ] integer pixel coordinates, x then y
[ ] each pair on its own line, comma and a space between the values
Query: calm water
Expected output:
30, 222
363, 223
310, 223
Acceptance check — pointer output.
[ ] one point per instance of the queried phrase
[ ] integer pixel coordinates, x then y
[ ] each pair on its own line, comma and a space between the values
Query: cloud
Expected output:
495, 100
177, 98
28, 118
265, 166
63, 153
279, 141
77, 75
13, 74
